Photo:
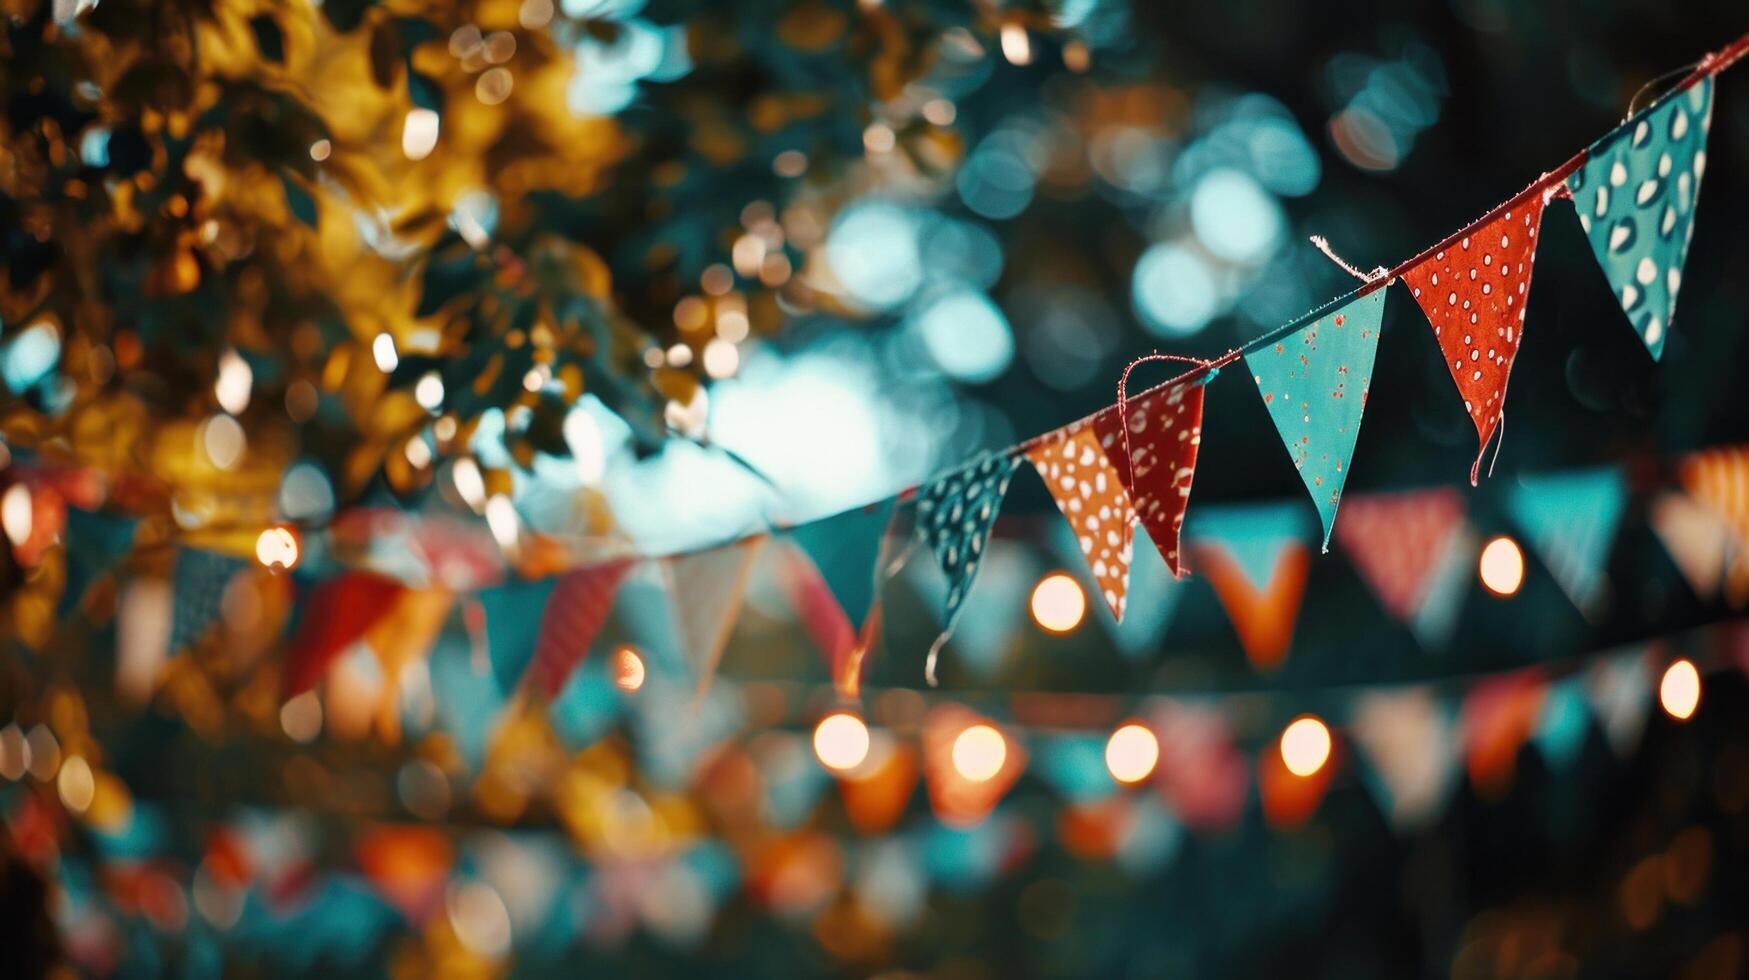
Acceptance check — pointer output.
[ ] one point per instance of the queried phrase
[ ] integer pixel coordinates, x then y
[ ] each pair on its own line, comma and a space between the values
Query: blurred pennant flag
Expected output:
877, 792
576, 608
984, 633
1314, 383
708, 587
1571, 519
469, 704
1636, 197
1409, 739
336, 615
1697, 540
1289, 799
1256, 562
1499, 716
1165, 432
1403, 545
95, 542
1096, 505
962, 859
954, 515
400, 640
408, 866
1719, 480
199, 580
845, 548
1473, 292
1152, 599
676, 726
1563, 722
513, 612
1202, 775
1620, 688
791, 780
823, 619
969, 763
1074, 765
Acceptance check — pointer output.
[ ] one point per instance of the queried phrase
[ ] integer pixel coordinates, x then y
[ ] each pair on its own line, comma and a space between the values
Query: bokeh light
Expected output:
841, 741
1305, 745
1502, 566
628, 669
872, 249
1174, 290
1131, 753
1234, 217
277, 548
979, 753
1058, 603
966, 335
1679, 690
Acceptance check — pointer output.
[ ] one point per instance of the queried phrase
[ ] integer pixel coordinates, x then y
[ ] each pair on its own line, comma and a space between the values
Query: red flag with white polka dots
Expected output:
1165, 429
1473, 292
1093, 500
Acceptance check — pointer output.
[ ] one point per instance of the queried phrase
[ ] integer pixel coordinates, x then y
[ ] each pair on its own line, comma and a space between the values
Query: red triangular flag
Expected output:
338, 613
1473, 293
1092, 497
1396, 540
575, 611
1165, 431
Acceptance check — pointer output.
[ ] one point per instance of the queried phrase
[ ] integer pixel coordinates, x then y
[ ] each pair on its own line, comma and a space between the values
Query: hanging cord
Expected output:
1322, 244
1683, 72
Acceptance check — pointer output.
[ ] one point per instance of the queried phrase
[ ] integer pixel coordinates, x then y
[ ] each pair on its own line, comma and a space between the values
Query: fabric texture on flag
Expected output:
1257, 565
1396, 540
1094, 502
1571, 520
580, 602
954, 516
337, 614
1636, 198
1314, 383
1165, 433
1696, 539
199, 580
846, 549
708, 588
95, 542
1474, 296
513, 614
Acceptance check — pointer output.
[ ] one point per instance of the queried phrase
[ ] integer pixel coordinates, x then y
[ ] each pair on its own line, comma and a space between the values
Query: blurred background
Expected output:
522, 283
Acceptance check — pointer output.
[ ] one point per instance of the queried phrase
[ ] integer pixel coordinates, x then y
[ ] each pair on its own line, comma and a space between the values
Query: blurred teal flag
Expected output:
1563, 723
95, 542
513, 624
1314, 383
1636, 197
1571, 520
844, 548
199, 581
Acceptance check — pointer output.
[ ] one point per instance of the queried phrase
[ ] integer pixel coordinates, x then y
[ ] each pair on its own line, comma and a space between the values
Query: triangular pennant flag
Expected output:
1165, 432
1563, 723
986, 631
708, 586
877, 792
1473, 293
1314, 383
1443, 599
401, 640
578, 605
791, 780
1074, 765
1636, 197
1093, 500
1202, 775
845, 548
954, 515
1152, 599
823, 620
337, 614
95, 542
199, 580
1571, 520
1411, 748
513, 613
1719, 480
1396, 540
1499, 716
1696, 538
1620, 687
1254, 560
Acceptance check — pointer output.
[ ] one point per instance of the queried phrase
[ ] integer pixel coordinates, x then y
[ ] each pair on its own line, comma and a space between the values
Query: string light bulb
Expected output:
628, 669
1131, 753
979, 753
1502, 566
1058, 604
841, 741
1305, 745
1679, 690
277, 548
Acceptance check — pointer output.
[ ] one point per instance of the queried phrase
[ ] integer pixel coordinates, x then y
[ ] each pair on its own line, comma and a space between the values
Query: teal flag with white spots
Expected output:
1636, 197
954, 516
1314, 383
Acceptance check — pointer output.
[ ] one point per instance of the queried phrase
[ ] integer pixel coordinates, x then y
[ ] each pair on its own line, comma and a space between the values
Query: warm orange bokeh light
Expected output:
277, 548
1305, 745
1131, 753
979, 753
841, 741
1058, 604
1679, 690
1502, 566
628, 669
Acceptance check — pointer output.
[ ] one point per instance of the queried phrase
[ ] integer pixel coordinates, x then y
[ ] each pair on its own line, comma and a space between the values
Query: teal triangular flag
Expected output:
468, 703
95, 542
1563, 723
513, 621
1636, 197
1571, 519
1074, 765
845, 548
199, 581
954, 517
1314, 383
